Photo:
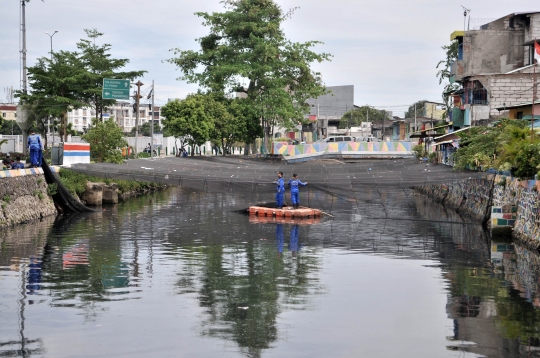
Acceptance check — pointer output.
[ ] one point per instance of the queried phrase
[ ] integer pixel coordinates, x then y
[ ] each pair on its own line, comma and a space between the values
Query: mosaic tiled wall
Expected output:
291, 150
12, 173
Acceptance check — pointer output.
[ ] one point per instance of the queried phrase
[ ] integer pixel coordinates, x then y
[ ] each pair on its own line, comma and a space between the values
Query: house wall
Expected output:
510, 89
492, 51
512, 113
533, 30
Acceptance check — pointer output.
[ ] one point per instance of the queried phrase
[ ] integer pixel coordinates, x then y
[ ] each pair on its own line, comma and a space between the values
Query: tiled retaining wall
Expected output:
23, 196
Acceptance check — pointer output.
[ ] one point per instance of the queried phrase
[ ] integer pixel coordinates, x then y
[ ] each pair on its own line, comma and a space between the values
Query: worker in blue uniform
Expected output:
280, 190
295, 183
34, 147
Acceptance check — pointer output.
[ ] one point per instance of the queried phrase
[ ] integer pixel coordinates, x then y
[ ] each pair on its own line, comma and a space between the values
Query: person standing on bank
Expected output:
34, 146
280, 193
295, 183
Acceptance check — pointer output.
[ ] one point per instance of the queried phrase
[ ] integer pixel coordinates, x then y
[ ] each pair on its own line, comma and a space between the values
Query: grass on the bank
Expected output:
76, 183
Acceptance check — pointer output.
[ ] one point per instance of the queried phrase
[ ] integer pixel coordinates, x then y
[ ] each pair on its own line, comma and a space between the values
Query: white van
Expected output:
337, 139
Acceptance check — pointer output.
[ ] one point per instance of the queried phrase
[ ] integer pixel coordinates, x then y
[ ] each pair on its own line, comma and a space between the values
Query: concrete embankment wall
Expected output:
499, 201
471, 197
23, 197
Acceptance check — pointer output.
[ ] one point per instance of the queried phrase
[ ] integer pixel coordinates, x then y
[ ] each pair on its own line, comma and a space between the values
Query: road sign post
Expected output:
115, 89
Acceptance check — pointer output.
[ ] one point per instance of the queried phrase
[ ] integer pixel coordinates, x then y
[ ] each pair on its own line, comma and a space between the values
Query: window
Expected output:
4, 114
519, 115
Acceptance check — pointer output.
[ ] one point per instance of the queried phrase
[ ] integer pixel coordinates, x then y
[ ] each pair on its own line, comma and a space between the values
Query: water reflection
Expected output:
238, 282
244, 287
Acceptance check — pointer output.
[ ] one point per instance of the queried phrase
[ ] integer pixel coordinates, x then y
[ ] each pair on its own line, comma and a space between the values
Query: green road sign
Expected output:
115, 89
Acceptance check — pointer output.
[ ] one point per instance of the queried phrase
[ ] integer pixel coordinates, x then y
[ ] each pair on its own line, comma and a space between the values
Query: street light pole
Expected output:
51, 36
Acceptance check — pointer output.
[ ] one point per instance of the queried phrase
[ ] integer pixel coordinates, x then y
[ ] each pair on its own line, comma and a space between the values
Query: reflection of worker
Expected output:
280, 187
293, 244
279, 239
295, 183
34, 275
34, 145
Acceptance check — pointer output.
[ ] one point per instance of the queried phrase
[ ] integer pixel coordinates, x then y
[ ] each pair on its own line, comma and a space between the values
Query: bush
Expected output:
419, 151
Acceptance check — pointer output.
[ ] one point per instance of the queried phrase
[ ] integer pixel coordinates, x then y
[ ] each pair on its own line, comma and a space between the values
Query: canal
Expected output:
182, 273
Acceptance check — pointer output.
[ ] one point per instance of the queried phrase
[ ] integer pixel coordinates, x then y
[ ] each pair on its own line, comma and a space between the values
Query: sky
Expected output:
387, 49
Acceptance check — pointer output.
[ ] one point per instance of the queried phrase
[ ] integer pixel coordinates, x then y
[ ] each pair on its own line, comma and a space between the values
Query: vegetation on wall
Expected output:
505, 146
76, 183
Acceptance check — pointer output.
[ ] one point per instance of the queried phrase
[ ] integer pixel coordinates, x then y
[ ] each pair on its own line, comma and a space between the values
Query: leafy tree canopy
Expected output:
420, 110
145, 129
444, 73
99, 64
246, 51
365, 113
106, 140
194, 116
71, 80
505, 146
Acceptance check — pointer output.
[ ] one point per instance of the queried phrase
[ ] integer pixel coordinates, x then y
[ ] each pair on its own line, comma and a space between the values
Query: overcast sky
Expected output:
387, 49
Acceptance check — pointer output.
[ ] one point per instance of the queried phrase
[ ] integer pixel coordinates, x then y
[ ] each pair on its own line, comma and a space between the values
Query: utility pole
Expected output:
23, 50
534, 91
152, 124
414, 131
137, 100
51, 36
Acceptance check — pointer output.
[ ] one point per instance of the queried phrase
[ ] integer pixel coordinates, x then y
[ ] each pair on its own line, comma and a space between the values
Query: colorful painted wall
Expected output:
361, 147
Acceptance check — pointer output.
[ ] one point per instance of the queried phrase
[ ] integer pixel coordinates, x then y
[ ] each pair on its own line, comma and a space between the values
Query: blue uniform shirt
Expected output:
294, 184
34, 141
280, 185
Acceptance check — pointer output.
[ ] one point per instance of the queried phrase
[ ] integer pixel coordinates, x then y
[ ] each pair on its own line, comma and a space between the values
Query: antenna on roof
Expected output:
465, 13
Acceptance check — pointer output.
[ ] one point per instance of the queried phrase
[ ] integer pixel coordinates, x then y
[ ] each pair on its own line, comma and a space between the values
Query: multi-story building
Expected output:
327, 110
8, 112
123, 113
494, 67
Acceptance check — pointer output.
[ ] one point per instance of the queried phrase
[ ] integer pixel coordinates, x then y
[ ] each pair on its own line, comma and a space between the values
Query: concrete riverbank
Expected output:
505, 204
24, 197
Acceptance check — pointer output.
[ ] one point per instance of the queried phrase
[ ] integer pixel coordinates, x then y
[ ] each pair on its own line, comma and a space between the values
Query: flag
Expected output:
537, 51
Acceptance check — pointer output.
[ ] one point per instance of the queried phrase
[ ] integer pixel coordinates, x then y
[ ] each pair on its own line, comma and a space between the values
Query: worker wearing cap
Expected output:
34, 146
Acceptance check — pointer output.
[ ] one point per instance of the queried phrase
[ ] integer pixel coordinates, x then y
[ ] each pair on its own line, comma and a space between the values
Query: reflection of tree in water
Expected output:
244, 288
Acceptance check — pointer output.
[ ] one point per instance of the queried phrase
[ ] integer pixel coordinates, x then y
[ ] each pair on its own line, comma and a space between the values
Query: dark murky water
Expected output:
180, 275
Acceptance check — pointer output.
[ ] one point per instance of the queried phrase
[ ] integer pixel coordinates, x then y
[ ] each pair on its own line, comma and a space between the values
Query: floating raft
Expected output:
286, 212
287, 220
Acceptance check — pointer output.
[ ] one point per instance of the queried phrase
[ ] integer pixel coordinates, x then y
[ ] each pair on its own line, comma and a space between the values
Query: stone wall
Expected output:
492, 200
24, 199
471, 197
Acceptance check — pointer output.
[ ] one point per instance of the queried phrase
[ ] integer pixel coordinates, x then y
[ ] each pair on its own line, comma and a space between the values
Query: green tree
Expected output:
420, 110
145, 129
233, 127
246, 51
366, 113
444, 73
98, 64
10, 127
56, 86
105, 139
193, 118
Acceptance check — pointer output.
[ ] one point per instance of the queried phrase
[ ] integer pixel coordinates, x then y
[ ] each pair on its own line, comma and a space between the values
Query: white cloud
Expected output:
388, 49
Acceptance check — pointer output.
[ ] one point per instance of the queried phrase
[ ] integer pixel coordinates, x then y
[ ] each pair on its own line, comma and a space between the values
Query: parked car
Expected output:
333, 139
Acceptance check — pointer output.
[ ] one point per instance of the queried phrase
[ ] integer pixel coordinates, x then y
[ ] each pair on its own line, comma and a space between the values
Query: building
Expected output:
494, 67
327, 110
8, 112
123, 113
522, 110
